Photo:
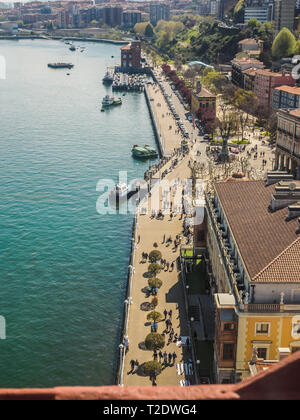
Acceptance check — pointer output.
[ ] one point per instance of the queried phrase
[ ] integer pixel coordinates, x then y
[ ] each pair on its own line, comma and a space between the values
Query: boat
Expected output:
60, 65
120, 192
110, 101
107, 101
117, 101
145, 152
72, 48
108, 78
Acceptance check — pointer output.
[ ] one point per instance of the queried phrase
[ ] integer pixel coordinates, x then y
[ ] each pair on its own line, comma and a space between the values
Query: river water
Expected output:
63, 266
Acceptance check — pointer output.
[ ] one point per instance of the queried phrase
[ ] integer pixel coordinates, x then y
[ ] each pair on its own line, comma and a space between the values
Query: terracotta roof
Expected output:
292, 112
249, 41
289, 89
126, 47
261, 235
269, 73
283, 269
251, 72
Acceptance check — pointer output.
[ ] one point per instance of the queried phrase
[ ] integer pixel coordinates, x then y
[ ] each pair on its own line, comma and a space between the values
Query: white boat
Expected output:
108, 100
120, 191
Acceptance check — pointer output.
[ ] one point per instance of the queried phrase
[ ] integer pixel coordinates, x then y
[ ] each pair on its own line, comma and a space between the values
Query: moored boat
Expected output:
60, 65
145, 152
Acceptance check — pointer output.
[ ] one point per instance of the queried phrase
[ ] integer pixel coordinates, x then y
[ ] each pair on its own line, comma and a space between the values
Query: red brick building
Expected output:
266, 81
131, 55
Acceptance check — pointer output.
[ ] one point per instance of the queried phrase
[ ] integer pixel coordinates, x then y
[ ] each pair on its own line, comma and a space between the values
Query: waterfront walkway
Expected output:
165, 123
170, 295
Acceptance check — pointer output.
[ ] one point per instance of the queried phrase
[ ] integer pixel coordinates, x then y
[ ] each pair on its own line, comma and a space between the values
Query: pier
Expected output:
128, 83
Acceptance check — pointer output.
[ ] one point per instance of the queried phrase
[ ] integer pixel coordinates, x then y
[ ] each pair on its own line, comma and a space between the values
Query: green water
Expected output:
63, 266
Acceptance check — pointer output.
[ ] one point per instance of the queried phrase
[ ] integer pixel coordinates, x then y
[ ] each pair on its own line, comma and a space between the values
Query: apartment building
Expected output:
266, 81
284, 14
159, 11
286, 97
288, 142
253, 244
239, 65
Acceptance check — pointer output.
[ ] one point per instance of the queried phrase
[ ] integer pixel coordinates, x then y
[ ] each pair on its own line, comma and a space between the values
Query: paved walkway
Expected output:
170, 295
165, 122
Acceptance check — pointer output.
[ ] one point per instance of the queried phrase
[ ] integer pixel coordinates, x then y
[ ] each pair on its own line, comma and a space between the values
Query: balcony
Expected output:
263, 307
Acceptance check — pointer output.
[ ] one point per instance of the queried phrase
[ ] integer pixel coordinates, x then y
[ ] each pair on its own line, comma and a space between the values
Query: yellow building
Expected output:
203, 101
254, 269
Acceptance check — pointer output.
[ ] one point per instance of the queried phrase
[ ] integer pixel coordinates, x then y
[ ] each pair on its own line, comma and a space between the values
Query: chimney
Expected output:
284, 352
294, 211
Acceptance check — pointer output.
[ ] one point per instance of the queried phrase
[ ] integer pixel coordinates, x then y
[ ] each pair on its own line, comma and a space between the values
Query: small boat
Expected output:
107, 101
72, 48
145, 152
60, 65
120, 191
117, 101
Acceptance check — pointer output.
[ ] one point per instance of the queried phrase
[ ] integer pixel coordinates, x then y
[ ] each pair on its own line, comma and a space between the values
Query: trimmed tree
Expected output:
154, 316
154, 301
155, 341
152, 368
155, 282
155, 255
154, 269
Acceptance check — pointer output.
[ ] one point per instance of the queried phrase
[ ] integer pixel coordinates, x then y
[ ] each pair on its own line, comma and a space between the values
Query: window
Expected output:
262, 353
228, 351
229, 326
261, 328
294, 349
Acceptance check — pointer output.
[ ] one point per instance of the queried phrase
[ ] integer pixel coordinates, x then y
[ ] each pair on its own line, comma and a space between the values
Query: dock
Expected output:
128, 83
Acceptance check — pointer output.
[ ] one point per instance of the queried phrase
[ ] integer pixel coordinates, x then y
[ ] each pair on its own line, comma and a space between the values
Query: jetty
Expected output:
127, 82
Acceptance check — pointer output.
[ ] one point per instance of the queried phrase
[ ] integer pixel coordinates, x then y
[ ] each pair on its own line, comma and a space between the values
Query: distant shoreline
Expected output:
56, 38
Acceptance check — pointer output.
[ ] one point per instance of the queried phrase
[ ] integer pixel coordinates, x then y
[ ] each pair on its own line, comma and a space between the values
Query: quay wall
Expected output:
57, 38
153, 119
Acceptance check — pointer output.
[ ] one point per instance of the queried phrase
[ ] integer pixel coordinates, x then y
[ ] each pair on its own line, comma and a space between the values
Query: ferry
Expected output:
145, 152
60, 65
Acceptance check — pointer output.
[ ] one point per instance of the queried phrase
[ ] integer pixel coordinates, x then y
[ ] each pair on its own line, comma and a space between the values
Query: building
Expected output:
253, 245
286, 97
288, 141
131, 18
262, 10
203, 101
112, 16
252, 47
159, 11
249, 78
131, 56
284, 14
239, 65
266, 81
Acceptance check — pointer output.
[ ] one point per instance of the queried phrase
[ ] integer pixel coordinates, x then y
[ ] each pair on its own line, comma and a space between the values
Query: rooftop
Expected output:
289, 89
269, 73
262, 236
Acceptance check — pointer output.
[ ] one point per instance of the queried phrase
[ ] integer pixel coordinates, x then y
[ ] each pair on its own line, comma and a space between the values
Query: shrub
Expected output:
155, 255
154, 301
154, 341
155, 282
154, 316
152, 368
154, 268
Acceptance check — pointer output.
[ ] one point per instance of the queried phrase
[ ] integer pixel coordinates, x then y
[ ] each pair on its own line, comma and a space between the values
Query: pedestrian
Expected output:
170, 358
167, 324
172, 266
156, 291
155, 355
165, 313
137, 363
174, 356
160, 356
164, 238
170, 313
139, 239
132, 364
165, 358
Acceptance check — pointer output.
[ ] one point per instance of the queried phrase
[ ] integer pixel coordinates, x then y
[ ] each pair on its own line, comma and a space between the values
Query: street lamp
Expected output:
192, 319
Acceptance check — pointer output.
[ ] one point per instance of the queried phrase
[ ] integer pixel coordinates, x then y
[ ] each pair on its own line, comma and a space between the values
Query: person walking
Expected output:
165, 314
174, 356
160, 356
164, 238
170, 313
132, 364
155, 355
172, 266
165, 358
170, 358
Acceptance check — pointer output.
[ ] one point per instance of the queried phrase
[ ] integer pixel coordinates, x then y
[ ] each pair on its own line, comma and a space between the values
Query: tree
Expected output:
154, 268
155, 282
154, 316
155, 341
284, 44
154, 302
149, 31
152, 368
155, 255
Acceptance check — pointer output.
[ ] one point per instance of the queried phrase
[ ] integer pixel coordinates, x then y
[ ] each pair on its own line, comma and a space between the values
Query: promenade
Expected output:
170, 295
165, 123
